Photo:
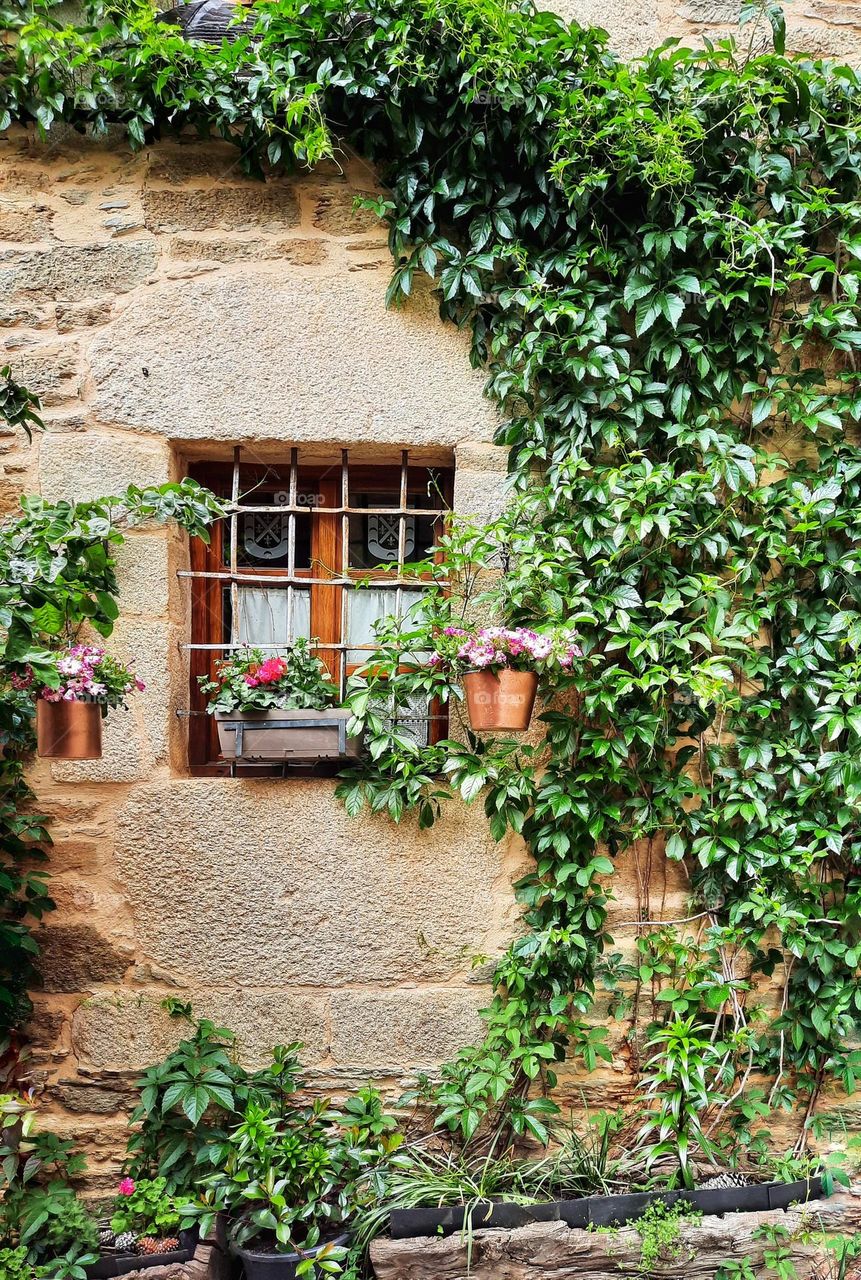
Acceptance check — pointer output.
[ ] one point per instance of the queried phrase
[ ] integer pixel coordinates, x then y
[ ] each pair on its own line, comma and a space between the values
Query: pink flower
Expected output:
251, 681
272, 670
126, 1187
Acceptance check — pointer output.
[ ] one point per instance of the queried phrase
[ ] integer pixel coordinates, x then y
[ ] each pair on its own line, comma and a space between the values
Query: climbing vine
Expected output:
658, 264
57, 574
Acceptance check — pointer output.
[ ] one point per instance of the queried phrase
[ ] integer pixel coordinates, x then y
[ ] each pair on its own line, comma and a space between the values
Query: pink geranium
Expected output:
126, 1187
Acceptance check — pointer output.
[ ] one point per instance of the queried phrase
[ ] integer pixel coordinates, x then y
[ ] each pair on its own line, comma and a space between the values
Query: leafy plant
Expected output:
41, 1217
185, 1104
660, 1231
57, 574
680, 1082
248, 681
145, 1207
296, 1176
18, 406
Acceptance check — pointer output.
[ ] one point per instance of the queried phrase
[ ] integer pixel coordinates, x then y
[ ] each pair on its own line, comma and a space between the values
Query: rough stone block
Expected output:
232, 208
23, 221
72, 272
180, 161
336, 214
328, 363
83, 465
143, 574
634, 26
710, 11
74, 957
71, 316
410, 1027
302, 253
91, 1099
50, 370
480, 481
125, 1032
271, 883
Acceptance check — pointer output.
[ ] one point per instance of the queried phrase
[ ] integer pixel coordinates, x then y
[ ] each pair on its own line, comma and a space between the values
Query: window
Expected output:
311, 548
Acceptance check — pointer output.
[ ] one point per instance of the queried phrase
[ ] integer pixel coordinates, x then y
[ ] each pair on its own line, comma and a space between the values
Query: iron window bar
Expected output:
237, 576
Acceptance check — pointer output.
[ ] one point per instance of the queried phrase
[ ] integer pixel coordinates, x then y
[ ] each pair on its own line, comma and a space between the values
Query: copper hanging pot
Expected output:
500, 700
69, 730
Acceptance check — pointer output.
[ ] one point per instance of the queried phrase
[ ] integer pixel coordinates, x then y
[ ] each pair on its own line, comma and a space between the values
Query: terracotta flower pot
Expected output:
500, 699
69, 730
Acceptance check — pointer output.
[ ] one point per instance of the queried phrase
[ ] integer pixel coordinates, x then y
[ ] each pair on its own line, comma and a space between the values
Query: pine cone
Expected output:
107, 1238
168, 1244
149, 1244
126, 1242
724, 1180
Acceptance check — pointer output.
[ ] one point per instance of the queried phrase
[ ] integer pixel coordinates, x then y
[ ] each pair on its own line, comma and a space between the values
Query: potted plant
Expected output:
143, 1230
278, 708
499, 668
290, 1179
84, 682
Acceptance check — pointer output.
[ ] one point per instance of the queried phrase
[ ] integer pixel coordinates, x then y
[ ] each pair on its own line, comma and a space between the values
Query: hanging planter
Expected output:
499, 669
278, 709
68, 730
500, 701
85, 682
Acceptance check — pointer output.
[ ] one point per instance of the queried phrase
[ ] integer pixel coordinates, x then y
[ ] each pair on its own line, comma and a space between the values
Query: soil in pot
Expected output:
265, 1264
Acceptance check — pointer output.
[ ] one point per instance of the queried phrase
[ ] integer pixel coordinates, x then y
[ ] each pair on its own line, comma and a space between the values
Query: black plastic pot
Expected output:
490, 1213
281, 1266
121, 1263
602, 1211
782, 1194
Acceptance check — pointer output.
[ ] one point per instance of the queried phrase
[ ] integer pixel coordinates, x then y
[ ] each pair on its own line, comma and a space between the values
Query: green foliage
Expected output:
186, 1102
250, 681
659, 268
680, 1082
42, 1220
150, 1210
57, 573
18, 406
293, 1176
660, 1230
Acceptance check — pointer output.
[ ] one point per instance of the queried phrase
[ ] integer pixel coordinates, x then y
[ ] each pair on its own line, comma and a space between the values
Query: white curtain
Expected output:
263, 615
367, 605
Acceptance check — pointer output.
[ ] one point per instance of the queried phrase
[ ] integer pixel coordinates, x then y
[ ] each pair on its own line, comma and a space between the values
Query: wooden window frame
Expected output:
328, 579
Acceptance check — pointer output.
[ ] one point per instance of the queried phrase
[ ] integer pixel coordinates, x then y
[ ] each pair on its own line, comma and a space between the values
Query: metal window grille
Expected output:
396, 580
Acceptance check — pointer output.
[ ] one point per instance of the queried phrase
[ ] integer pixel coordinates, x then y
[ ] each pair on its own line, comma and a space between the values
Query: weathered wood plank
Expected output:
550, 1249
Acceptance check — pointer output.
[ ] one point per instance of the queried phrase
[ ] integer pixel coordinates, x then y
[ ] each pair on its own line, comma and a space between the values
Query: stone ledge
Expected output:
551, 1249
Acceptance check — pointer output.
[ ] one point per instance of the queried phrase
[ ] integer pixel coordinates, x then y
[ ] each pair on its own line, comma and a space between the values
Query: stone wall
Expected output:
830, 28
165, 308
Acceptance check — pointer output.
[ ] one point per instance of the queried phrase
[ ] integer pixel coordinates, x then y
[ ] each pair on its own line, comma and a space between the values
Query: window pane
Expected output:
264, 536
374, 538
263, 615
412, 722
365, 606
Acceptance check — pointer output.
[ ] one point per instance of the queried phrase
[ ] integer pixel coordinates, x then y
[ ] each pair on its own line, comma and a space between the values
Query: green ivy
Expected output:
57, 573
658, 264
